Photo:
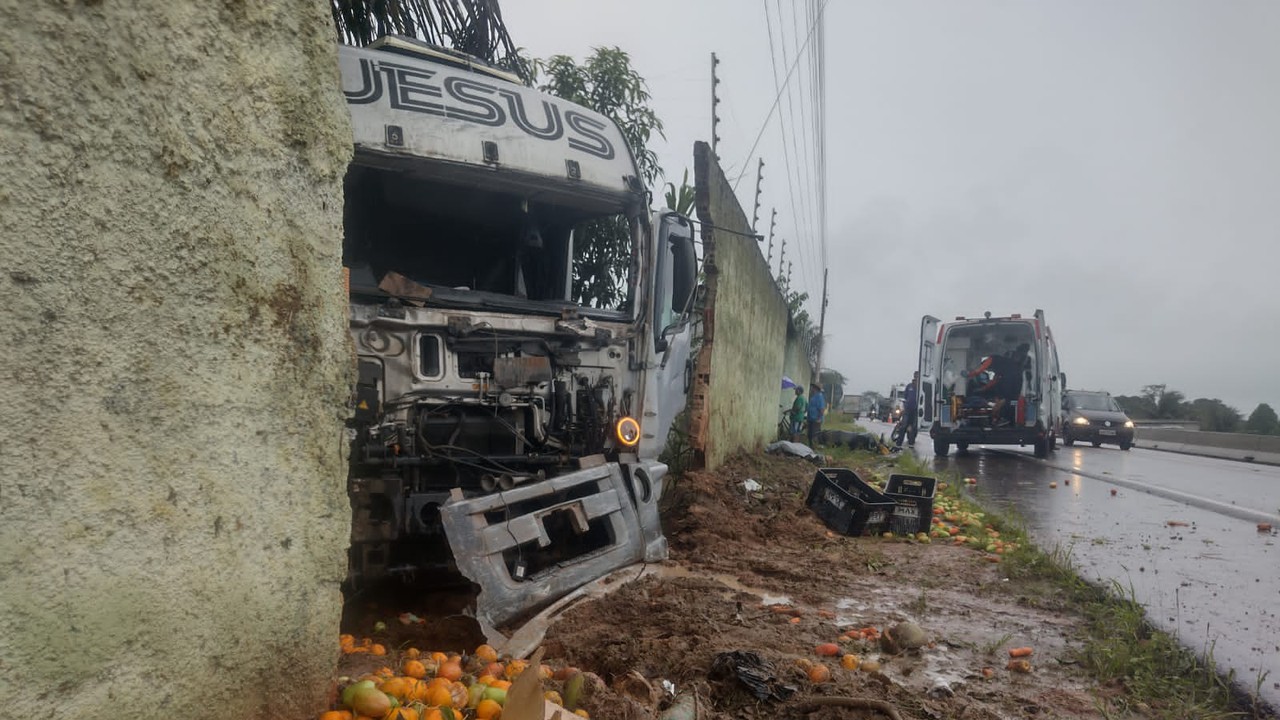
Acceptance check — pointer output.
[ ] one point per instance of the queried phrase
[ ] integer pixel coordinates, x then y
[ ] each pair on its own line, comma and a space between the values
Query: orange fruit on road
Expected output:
514, 668
401, 713
819, 674
850, 662
487, 653
440, 696
412, 653
451, 670
377, 649
827, 649
414, 669
336, 715
487, 710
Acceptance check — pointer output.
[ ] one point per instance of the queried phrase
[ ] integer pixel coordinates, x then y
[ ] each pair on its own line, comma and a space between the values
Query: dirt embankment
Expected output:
757, 572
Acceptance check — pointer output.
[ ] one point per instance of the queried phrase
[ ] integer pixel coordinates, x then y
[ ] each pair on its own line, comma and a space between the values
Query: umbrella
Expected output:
788, 383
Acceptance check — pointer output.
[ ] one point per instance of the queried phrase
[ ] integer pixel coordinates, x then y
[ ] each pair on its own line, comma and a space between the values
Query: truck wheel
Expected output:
1125, 445
941, 448
1042, 448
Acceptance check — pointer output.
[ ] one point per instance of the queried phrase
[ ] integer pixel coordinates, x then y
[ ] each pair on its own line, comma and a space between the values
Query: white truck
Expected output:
504, 427
990, 381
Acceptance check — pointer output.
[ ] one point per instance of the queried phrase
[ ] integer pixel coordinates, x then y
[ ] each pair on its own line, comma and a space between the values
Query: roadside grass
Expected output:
1121, 649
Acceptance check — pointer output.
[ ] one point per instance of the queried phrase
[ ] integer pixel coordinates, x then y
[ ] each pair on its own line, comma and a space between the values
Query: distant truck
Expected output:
891, 408
505, 428
990, 381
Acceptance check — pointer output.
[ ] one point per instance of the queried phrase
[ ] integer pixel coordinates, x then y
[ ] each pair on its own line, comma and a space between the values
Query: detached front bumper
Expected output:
528, 546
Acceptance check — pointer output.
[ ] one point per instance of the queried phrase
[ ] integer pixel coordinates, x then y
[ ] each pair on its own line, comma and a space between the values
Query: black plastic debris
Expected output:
753, 671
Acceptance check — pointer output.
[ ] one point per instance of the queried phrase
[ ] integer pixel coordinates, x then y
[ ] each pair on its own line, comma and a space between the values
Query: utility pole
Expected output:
755, 214
822, 326
773, 223
715, 100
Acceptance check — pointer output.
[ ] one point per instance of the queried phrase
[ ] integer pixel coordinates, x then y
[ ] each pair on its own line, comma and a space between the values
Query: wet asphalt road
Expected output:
1213, 582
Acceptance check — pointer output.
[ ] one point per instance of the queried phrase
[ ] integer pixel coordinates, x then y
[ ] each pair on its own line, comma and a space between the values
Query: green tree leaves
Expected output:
606, 83
1263, 421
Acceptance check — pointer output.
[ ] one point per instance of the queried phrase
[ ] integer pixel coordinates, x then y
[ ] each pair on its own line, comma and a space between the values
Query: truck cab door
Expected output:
927, 394
673, 325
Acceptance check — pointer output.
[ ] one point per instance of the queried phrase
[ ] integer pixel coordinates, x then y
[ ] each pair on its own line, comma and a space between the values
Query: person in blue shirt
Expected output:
817, 410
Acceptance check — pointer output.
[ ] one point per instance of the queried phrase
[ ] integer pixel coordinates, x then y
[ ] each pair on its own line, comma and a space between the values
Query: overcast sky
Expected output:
1116, 163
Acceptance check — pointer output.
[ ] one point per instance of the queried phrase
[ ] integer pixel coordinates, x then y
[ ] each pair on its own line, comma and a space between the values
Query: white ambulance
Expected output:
990, 381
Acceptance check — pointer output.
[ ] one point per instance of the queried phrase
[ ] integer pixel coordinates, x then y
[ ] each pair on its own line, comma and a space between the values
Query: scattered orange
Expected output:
553, 696
460, 694
439, 657
336, 715
545, 672
487, 653
581, 713
819, 673
440, 696
432, 714
399, 688
377, 649
385, 672
500, 684
850, 662
451, 670
486, 680
414, 669
487, 710
515, 667
418, 690
828, 649
495, 669
401, 713
412, 653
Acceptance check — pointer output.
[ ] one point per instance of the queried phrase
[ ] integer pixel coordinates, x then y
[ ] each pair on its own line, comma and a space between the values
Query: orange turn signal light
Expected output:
627, 431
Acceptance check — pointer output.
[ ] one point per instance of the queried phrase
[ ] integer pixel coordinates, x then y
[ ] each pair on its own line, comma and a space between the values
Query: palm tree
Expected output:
474, 27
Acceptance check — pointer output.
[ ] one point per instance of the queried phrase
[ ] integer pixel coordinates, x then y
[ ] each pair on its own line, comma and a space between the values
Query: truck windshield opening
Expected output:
468, 242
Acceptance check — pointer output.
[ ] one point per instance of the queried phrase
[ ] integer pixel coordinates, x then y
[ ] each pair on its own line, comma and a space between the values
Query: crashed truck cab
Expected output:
516, 380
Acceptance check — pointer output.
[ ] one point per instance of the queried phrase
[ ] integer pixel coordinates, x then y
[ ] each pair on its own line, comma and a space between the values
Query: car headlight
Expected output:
1128, 423
1080, 421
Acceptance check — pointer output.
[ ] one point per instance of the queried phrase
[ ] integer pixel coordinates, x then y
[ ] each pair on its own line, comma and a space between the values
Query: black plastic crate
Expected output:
847, 504
913, 496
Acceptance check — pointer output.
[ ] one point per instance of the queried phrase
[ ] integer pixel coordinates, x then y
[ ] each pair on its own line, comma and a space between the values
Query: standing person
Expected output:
911, 408
817, 411
798, 410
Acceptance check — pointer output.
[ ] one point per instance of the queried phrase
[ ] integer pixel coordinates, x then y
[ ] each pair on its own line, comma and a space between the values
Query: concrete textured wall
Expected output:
734, 403
795, 365
173, 515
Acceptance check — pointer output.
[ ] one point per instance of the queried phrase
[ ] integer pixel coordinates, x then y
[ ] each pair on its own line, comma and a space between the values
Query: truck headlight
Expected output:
1080, 421
627, 431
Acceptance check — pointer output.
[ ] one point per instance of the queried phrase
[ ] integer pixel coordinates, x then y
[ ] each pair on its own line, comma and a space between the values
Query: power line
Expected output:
804, 164
774, 106
803, 214
786, 153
